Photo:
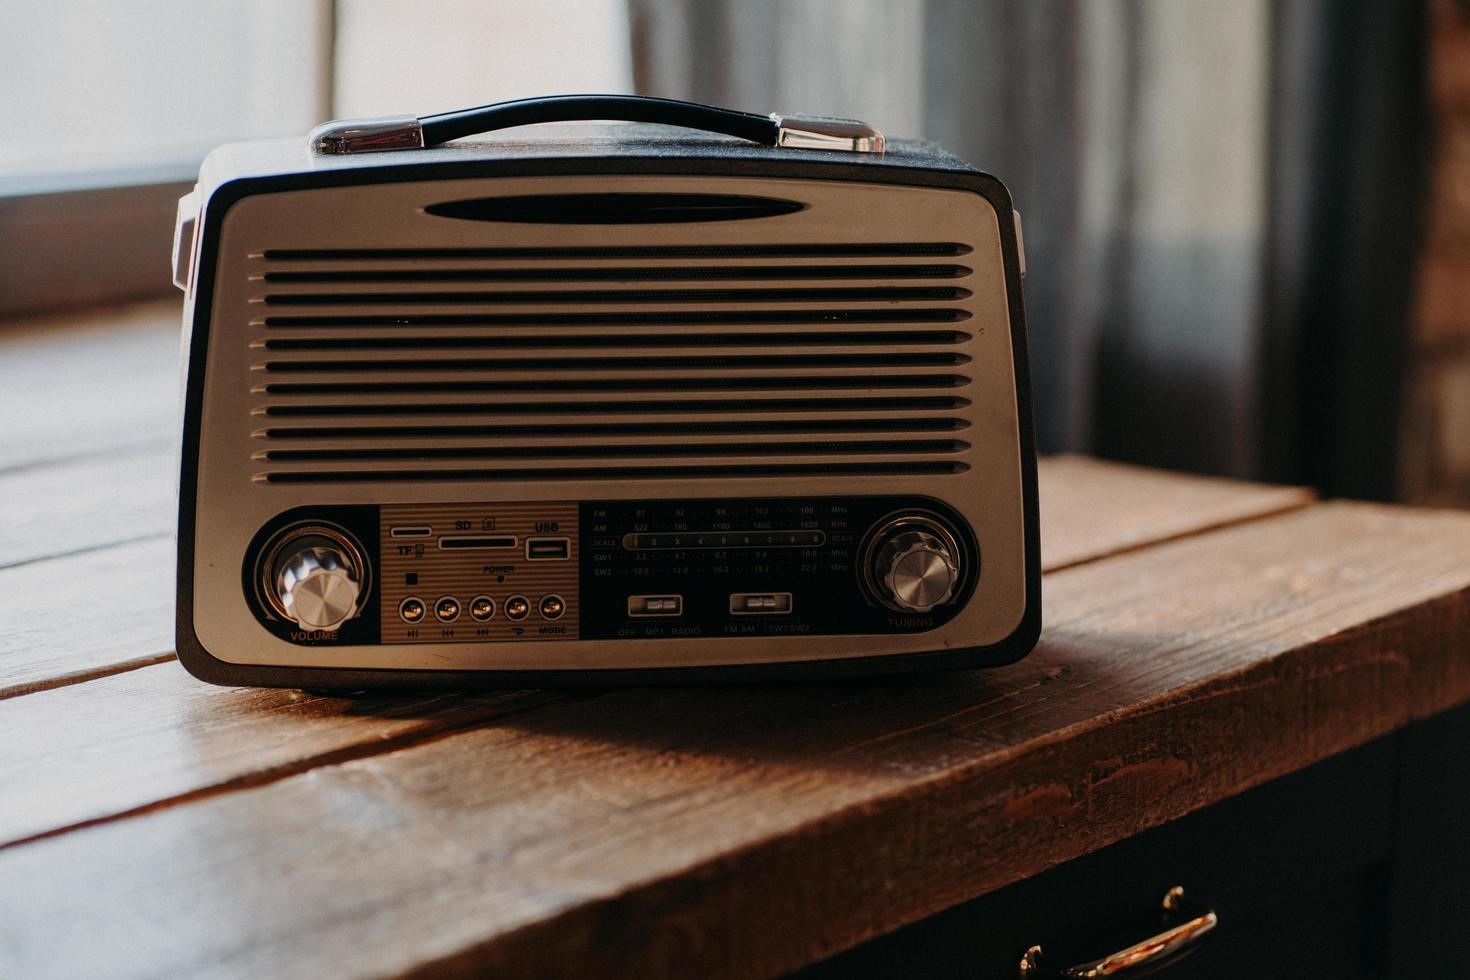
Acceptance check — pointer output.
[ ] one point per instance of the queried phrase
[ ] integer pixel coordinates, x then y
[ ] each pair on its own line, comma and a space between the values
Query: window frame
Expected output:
84, 239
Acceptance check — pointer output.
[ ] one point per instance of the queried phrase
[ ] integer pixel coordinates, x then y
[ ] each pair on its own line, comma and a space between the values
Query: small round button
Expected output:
412, 610
482, 608
552, 607
446, 610
517, 607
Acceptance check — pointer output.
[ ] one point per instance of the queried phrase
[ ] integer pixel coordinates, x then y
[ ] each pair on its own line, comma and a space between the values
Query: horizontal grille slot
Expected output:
773, 251
640, 318
563, 429
877, 468
618, 362
626, 274
614, 209
711, 406
912, 338
594, 362
762, 383
817, 295
606, 450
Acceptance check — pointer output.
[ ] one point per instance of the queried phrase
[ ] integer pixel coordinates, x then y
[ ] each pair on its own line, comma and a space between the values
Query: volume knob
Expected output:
914, 564
318, 586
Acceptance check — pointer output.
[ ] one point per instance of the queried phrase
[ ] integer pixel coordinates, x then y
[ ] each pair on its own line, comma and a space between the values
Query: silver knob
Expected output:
915, 565
318, 586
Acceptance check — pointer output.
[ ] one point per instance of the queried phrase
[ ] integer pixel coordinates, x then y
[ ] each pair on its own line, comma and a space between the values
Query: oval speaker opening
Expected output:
614, 209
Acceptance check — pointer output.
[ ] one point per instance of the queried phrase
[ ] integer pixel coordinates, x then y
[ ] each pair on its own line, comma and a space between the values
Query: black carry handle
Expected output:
412, 133
445, 126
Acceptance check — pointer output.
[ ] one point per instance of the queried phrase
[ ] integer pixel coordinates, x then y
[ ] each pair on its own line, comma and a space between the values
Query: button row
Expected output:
481, 608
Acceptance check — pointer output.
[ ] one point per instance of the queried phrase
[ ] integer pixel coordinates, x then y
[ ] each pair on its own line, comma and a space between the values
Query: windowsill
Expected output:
77, 248
99, 379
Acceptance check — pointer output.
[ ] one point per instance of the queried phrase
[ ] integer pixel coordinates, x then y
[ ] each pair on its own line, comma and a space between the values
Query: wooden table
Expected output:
1202, 637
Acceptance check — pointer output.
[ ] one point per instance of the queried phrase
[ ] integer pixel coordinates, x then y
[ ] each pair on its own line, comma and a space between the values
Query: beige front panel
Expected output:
244, 482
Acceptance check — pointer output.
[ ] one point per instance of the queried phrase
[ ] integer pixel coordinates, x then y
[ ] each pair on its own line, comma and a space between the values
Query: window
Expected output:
109, 107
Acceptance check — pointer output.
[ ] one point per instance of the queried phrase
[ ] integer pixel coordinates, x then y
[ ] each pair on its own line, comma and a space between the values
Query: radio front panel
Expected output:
482, 446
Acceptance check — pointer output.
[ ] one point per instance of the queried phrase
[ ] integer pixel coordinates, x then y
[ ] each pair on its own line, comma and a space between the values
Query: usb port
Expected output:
655, 605
548, 549
760, 603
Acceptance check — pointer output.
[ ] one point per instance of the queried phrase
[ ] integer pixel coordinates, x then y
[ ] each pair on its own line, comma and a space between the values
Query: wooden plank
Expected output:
72, 385
86, 615
1091, 508
83, 504
748, 830
127, 749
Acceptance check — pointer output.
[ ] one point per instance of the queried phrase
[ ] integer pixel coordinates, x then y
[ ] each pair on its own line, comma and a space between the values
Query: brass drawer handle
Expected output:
1197, 922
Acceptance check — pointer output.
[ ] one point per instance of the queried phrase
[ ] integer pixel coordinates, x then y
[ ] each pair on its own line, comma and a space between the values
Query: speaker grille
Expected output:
609, 362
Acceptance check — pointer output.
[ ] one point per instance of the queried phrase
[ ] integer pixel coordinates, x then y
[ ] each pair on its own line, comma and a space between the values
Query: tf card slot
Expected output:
481, 541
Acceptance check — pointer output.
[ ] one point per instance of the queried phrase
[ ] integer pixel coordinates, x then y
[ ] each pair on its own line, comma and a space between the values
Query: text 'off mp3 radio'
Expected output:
601, 403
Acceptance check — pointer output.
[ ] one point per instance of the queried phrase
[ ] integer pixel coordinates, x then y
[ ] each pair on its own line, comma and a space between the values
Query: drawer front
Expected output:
1295, 870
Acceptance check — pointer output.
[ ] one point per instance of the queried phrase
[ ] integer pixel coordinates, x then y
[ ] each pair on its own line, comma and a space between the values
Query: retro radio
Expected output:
600, 403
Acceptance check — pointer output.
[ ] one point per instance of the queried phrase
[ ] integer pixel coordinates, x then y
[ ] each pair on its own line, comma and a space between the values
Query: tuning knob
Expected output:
914, 564
317, 582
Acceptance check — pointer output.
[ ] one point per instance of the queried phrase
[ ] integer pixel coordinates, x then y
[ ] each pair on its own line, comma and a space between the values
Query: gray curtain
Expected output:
1162, 153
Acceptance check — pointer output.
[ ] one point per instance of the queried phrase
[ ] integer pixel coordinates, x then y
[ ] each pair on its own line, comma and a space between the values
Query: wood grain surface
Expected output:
156, 734
97, 383
1091, 508
1201, 636
76, 505
86, 615
747, 830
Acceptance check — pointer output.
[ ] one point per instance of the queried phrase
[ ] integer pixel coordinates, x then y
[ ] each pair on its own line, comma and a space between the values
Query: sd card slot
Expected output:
479, 541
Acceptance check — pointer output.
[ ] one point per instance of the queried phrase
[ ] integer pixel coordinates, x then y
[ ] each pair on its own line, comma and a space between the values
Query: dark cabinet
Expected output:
1356, 867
